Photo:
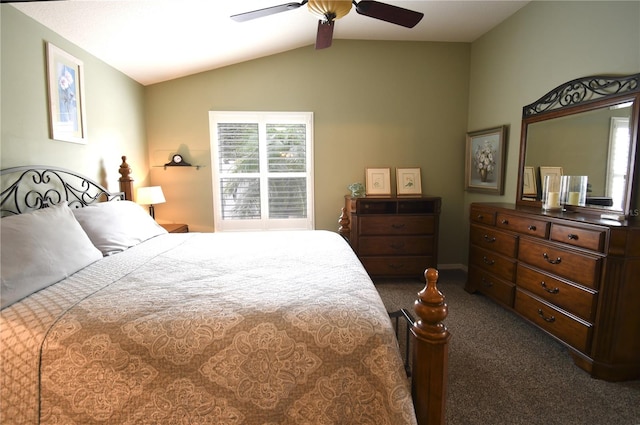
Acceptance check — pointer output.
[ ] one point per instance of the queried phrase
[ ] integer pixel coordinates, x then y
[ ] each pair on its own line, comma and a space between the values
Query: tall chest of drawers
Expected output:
575, 276
393, 237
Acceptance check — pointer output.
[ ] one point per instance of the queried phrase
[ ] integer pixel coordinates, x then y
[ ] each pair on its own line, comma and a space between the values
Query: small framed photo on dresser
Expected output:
378, 181
408, 182
529, 186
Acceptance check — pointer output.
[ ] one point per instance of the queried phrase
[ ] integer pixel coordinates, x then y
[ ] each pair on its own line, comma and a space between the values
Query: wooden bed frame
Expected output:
429, 338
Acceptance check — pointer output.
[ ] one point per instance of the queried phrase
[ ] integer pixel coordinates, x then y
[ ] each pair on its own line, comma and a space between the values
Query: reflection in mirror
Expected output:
593, 144
586, 127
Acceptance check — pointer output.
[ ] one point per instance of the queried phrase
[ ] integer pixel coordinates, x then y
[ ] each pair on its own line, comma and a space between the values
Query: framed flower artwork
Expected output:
378, 181
485, 160
408, 182
65, 77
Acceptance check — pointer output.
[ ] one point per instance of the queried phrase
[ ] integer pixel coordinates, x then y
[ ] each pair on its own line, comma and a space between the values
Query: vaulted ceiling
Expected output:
157, 40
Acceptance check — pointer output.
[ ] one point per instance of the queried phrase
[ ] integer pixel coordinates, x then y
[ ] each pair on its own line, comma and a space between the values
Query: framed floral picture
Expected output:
529, 185
65, 76
485, 160
408, 182
550, 171
378, 181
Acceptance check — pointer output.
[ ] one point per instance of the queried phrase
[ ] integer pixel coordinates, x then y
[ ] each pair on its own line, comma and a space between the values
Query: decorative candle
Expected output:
574, 198
551, 193
553, 200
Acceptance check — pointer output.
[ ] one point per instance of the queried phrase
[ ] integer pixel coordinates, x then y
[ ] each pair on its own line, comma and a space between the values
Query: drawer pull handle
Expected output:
395, 266
505, 221
487, 261
532, 228
397, 245
487, 283
550, 261
397, 225
549, 319
549, 290
572, 236
488, 239
480, 217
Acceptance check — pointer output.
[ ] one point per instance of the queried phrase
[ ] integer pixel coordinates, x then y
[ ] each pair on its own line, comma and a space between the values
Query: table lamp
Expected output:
151, 196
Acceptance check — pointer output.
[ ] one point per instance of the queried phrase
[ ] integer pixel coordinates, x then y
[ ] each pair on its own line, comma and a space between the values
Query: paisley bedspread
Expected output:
212, 328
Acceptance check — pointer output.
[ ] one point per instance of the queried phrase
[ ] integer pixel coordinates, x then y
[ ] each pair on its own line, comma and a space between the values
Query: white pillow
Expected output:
39, 249
117, 225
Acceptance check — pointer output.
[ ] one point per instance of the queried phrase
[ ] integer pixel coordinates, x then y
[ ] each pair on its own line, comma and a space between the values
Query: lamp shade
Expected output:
151, 195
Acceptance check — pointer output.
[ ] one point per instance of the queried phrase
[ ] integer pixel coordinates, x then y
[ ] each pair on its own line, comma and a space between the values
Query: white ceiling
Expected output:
158, 40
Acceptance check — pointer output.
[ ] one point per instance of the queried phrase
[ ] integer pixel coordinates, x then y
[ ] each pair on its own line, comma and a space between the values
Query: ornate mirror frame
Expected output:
578, 96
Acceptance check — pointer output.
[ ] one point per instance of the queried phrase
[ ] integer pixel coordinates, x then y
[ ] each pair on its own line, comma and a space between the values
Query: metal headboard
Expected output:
33, 187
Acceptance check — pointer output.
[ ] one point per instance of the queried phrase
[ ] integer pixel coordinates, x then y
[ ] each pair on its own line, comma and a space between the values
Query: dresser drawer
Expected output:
396, 225
583, 238
525, 225
478, 215
397, 266
396, 245
581, 268
494, 240
493, 263
490, 285
574, 299
569, 329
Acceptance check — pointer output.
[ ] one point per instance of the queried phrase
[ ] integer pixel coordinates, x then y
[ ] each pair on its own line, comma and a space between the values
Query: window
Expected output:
617, 167
262, 170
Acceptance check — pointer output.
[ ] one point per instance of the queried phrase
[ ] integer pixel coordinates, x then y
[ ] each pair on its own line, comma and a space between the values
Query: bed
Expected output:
113, 320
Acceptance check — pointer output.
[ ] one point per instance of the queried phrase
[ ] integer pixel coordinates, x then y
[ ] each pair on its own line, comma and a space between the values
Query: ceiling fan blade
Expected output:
325, 34
389, 13
247, 16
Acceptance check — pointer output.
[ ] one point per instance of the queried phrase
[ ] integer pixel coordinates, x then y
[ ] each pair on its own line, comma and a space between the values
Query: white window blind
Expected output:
262, 170
619, 146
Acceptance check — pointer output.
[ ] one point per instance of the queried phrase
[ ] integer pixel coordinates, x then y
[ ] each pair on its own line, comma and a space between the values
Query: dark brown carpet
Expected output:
503, 370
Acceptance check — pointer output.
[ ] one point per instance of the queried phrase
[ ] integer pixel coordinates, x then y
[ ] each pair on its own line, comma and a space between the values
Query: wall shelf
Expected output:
197, 167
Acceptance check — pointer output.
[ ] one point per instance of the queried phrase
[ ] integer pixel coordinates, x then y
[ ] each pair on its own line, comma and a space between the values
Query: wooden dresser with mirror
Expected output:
574, 272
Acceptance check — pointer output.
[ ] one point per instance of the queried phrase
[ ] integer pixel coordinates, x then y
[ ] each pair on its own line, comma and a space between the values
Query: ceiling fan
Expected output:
329, 11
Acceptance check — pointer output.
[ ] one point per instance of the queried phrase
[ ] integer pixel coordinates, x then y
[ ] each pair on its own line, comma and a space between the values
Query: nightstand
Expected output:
176, 228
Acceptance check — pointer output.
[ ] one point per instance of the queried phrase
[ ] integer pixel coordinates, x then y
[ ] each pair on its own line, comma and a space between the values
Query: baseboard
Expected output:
453, 267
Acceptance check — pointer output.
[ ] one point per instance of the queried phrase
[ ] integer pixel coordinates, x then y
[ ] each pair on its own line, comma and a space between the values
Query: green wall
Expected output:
375, 104
114, 107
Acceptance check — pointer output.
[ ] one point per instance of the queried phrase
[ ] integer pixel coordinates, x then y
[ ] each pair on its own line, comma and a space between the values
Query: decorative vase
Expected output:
483, 175
357, 190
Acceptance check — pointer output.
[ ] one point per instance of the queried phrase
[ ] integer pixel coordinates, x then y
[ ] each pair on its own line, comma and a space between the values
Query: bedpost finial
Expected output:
431, 309
124, 170
431, 275
126, 182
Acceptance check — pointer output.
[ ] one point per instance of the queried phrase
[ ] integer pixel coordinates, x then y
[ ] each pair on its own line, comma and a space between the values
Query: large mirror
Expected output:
586, 127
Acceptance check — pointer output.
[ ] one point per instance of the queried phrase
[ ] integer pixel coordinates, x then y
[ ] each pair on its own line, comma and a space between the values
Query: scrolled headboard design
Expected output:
33, 187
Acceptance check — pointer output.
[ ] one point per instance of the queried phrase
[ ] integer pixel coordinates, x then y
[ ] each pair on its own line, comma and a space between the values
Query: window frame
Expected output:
262, 119
618, 175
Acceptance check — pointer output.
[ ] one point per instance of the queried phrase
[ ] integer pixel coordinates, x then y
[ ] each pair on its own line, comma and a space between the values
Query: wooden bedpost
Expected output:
126, 182
430, 354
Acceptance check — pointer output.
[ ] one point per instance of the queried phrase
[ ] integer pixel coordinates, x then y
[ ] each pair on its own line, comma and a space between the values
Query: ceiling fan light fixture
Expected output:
329, 8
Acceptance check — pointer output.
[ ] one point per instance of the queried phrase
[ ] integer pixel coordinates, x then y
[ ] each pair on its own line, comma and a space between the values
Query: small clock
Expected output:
177, 159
